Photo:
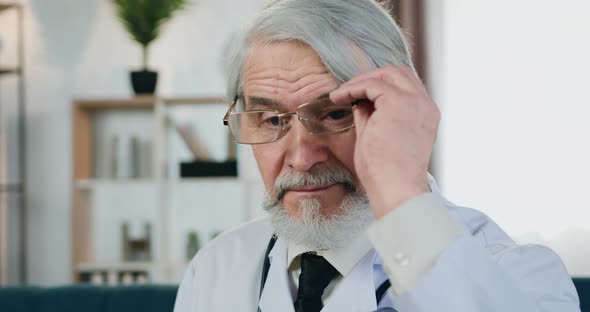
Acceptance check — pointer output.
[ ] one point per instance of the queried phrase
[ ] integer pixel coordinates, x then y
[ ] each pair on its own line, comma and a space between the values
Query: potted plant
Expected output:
143, 20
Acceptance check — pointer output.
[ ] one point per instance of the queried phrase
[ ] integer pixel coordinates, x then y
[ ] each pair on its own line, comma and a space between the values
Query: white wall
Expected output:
513, 87
79, 49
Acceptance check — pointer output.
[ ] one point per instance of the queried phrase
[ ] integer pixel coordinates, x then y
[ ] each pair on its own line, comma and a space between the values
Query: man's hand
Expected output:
394, 134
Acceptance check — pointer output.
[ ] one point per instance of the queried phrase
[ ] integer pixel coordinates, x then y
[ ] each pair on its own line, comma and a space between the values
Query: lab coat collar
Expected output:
276, 295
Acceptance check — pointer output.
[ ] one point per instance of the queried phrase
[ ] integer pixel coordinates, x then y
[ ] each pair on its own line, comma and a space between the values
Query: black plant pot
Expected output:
144, 81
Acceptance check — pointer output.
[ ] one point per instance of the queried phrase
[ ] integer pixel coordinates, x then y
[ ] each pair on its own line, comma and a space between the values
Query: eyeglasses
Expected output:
319, 117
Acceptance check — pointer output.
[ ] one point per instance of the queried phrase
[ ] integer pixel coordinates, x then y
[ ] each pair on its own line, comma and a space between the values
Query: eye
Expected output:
272, 121
269, 120
338, 114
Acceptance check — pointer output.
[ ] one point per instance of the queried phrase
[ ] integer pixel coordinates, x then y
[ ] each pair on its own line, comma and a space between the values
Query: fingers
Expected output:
400, 76
371, 95
370, 89
361, 113
394, 90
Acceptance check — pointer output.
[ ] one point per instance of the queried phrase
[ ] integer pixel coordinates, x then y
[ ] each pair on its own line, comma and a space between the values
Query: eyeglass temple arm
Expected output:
231, 107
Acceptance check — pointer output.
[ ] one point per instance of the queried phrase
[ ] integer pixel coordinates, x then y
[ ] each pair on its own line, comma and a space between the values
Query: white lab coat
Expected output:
483, 270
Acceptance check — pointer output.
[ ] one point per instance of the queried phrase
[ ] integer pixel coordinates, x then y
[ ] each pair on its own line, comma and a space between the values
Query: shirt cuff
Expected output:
410, 238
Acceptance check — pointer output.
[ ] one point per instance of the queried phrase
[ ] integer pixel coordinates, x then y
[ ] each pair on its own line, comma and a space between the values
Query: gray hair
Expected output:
349, 36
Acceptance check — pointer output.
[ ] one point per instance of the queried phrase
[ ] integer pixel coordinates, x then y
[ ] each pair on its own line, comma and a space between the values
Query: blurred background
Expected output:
99, 185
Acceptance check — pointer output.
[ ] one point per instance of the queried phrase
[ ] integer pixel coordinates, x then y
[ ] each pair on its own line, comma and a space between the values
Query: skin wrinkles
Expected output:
289, 73
258, 103
291, 86
297, 82
291, 95
295, 76
291, 65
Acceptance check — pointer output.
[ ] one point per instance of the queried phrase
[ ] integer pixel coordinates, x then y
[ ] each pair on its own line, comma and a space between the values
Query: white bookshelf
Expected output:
13, 206
122, 273
172, 205
90, 184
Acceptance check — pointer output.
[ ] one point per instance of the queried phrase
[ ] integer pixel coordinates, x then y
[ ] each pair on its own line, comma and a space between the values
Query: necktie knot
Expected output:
316, 275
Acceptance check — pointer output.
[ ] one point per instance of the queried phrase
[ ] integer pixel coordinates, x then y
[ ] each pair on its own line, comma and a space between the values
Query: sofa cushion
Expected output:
583, 287
72, 298
140, 298
88, 298
18, 299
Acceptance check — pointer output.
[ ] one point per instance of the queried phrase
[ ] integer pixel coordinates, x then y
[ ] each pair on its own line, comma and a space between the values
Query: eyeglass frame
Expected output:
281, 116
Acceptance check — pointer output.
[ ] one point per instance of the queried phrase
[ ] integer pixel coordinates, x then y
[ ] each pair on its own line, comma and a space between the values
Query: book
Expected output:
193, 143
145, 159
113, 156
134, 157
191, 139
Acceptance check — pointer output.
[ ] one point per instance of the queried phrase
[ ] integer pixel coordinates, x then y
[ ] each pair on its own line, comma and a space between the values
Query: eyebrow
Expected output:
261, 101
274, 105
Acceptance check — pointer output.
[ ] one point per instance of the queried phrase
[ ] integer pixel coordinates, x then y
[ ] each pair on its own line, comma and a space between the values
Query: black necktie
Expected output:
316, 274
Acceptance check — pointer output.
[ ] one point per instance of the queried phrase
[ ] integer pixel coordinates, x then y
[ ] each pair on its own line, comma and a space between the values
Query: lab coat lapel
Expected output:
276, 295
356, 291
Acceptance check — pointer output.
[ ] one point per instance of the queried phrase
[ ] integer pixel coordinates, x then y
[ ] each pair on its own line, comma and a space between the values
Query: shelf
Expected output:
121, 266
11, 188
194, 101
127, 266
90, 184
143, 102
136, 272
9, 70
208, 180
6, 6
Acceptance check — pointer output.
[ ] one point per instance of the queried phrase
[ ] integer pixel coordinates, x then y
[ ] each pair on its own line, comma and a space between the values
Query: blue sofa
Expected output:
129, 298
583, 287
88, 299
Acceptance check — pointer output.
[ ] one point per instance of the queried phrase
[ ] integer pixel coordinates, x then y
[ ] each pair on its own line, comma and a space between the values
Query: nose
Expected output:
304, 150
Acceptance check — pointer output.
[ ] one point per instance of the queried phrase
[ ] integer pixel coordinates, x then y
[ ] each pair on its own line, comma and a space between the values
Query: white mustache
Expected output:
317, 176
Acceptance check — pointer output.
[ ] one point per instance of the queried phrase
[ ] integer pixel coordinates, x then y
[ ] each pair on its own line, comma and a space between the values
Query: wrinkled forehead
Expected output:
282, 52
287, 72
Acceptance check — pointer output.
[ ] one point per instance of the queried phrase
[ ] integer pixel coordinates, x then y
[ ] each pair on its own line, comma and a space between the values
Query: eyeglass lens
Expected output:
319, 117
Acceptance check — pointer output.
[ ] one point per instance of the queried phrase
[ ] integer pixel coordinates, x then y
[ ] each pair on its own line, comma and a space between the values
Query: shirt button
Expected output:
401, 259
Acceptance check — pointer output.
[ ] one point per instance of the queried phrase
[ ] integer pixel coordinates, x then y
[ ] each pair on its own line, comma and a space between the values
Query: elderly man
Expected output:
342, 130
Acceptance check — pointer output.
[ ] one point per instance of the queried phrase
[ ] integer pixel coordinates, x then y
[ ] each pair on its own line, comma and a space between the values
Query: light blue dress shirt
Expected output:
441, 257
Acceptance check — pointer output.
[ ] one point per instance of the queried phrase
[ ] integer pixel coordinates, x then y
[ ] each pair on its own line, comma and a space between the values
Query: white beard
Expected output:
311, 229
315, 231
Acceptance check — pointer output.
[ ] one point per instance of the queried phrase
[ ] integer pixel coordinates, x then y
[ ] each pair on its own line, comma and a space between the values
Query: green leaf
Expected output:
143, 19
